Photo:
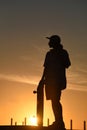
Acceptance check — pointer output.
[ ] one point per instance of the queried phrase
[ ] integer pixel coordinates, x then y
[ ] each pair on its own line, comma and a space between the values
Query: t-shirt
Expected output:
55, 65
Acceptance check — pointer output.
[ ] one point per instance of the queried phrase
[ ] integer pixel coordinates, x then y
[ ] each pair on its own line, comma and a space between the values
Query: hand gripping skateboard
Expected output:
40, 103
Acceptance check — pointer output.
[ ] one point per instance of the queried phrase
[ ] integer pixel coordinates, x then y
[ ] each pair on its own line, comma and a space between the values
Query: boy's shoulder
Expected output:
65, 52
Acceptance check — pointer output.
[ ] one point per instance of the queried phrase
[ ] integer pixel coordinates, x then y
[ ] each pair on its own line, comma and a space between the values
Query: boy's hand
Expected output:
41, 84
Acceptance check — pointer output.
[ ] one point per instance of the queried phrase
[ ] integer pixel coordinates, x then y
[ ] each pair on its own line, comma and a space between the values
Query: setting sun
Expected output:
33, 121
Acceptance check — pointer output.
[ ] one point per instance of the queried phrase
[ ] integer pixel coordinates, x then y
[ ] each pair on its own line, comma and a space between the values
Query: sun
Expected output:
33, 121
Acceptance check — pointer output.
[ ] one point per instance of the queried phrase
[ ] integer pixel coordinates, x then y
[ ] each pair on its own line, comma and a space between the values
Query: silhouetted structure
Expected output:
27, 127
54, 77
25, 121
84, 125
11, 121
70, 124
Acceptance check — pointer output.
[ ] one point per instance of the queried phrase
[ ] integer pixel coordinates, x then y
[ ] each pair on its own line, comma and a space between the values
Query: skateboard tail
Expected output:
40, 103
40, 108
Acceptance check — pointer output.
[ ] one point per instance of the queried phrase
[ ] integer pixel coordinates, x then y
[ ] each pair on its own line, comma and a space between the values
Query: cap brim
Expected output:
48, 37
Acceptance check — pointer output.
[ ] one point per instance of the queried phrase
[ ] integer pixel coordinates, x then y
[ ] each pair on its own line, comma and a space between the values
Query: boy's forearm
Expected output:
43, 76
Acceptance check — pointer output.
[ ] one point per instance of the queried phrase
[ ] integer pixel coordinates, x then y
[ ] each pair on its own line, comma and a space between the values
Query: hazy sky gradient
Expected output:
24, 24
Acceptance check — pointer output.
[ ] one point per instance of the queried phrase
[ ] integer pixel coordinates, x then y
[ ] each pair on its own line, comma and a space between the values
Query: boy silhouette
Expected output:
54, 76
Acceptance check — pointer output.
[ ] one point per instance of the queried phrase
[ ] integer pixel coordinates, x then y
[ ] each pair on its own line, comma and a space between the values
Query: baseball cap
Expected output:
54, 38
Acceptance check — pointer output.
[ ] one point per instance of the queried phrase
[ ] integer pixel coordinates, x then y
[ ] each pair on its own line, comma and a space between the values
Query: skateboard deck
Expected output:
40, 103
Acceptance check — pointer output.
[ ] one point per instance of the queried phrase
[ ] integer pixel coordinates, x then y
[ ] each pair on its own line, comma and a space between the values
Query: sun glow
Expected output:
33, 121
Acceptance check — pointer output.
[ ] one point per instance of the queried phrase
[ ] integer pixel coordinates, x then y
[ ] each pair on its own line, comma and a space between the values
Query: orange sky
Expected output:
23, 28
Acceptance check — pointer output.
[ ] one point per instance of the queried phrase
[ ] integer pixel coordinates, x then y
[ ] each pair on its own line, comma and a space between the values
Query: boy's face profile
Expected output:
51, 43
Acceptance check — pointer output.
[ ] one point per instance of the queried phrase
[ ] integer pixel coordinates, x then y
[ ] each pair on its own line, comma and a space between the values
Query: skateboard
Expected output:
40, 103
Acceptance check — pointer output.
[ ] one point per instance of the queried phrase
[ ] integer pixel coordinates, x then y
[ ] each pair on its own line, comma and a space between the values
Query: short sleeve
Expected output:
46, 61
67, 61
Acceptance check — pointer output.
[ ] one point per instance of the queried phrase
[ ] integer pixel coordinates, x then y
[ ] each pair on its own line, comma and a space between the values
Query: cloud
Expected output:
22, 79
77, 87
77, 79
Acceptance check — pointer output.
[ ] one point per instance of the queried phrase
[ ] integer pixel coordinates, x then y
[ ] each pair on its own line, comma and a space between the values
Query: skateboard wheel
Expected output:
34, 91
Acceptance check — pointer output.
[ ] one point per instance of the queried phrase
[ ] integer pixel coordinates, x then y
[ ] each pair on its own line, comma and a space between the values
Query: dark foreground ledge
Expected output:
26, 128
6, 127
18, 127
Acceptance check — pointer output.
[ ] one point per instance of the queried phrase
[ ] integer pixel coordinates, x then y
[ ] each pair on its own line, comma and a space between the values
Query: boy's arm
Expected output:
42, 81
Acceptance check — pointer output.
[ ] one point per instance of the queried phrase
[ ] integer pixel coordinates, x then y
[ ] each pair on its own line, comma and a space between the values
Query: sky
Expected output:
24, 24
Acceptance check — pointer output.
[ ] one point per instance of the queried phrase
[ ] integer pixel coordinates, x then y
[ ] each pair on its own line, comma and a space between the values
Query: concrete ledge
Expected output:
6, 127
